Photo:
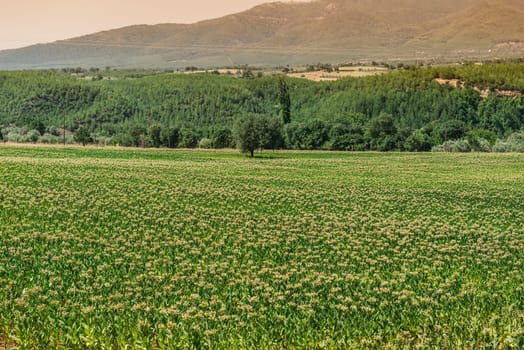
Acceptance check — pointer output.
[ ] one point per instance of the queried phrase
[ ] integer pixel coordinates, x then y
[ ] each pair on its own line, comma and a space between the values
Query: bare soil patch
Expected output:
336, 75
483, 92
6, 344
453, 82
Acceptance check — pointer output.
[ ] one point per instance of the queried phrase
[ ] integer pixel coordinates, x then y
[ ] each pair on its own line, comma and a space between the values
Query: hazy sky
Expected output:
26, 22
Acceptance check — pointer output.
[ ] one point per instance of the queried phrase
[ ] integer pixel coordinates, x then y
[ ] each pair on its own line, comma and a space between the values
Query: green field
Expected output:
114, 249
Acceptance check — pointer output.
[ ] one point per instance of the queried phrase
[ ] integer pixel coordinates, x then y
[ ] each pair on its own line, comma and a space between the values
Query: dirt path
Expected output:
333, 76
6, 344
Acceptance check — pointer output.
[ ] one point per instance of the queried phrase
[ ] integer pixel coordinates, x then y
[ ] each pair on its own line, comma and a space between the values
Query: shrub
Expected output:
52, 130
205, 143
438, 148
481, 145
454, 146
501, 147
103, 140
32, 136
312, 134
450, 130
13, 136
418, 142
345, 136
48, 138
188, 138
480, 134
83, 136
223, 138
516, 141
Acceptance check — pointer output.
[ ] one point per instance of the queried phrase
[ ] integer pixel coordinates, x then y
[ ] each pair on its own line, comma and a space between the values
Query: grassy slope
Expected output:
307, 250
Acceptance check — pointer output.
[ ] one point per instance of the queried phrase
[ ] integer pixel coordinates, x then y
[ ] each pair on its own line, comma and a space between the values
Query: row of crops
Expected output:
145, 249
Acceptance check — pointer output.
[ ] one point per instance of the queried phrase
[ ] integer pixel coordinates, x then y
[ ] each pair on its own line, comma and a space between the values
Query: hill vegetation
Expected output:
295, 33
406, 109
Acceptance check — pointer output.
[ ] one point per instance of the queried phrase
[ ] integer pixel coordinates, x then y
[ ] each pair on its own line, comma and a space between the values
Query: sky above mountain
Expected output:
26, 22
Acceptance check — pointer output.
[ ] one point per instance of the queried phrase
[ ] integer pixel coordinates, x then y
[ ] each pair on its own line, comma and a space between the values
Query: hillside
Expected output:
383, 112
298, 33
486, 23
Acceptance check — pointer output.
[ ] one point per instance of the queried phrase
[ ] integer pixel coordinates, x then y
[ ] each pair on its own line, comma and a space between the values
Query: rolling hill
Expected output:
296, 33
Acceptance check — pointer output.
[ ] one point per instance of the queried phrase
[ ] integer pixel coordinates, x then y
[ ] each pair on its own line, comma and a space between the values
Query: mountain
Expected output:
296, 33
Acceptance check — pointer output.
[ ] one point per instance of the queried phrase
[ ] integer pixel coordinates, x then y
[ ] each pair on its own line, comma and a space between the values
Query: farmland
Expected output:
108, 248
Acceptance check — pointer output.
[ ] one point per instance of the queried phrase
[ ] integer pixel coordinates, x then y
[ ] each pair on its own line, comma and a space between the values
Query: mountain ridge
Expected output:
281, 33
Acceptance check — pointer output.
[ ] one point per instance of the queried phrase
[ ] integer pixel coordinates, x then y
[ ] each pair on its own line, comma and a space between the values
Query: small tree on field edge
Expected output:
83, 136
256, 131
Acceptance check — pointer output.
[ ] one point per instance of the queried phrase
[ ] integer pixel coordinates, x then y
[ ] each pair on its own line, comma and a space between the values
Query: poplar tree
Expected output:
284, 100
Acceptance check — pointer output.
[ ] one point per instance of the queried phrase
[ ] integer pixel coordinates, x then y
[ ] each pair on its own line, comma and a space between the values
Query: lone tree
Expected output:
284, 101
83, 136
257, 131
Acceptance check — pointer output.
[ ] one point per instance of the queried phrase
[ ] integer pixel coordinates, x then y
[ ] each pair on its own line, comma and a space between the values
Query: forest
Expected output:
464, 107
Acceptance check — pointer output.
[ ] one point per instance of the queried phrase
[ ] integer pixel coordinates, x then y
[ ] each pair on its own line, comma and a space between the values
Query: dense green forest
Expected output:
406, 109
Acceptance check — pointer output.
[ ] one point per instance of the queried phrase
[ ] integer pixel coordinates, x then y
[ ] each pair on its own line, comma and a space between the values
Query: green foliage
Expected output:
169, 137
188, 138
51, 139
382, 126
308, 135
223, 138
155, 249
256, 131
345, 136
382, 132
137, 136
38, 125
33, 136
418, 142
205, 143
284, 100
501, 115
481, 140
451, 130
83, 136
516, 141
390, 107
20, 135
454, 146
504, 76
154, 133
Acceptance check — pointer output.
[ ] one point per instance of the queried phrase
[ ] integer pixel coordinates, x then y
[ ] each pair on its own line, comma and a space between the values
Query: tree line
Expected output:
402, 110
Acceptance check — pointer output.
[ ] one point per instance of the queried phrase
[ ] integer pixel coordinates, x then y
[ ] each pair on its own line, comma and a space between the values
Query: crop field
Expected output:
138, 249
